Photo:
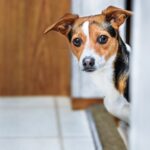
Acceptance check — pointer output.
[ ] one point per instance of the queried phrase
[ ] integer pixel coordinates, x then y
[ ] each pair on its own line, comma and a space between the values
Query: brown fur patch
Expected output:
122, 83
106, 50
78, 33
116, 16
95, 29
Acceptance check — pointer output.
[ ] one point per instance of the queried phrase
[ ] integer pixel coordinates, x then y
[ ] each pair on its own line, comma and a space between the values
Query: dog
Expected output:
100, 51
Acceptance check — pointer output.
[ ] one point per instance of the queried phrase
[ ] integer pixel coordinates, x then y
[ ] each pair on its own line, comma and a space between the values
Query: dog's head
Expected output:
93, 39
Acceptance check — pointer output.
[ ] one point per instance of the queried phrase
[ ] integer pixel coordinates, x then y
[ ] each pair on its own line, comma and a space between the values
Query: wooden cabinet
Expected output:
30, 62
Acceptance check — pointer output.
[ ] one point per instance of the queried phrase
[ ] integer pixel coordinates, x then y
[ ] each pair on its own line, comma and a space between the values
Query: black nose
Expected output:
88, 62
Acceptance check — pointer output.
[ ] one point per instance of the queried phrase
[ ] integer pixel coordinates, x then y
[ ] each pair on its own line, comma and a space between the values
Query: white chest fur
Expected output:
103, 80
114, 102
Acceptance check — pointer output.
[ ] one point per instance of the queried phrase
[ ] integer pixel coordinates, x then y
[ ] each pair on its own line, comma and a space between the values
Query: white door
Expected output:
140, 116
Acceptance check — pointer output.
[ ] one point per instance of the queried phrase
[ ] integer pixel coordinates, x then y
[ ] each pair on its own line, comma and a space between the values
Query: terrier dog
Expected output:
96, 43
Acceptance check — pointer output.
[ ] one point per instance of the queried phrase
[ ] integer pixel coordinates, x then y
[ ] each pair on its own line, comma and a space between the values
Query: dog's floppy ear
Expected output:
116, 16
63, 25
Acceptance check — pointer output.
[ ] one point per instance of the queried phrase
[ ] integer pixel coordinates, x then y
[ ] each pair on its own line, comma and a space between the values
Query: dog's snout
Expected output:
88, 63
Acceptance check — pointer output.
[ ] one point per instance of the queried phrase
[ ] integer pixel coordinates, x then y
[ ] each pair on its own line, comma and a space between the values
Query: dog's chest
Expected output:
103, 81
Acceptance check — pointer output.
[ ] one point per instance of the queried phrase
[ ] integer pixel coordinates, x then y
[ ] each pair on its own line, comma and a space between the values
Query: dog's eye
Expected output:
77, 42
102, 39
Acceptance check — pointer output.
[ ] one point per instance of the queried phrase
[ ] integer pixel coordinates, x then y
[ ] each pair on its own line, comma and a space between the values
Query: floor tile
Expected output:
29, 144
74, 123
78, 144
35, 101
41, 123
28, 122
63, 102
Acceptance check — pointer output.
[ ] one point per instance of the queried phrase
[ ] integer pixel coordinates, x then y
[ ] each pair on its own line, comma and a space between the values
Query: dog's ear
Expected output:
63, 25
116, 16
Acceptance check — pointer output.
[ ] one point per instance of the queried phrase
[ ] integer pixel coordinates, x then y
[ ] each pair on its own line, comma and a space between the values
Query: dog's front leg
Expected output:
117, 105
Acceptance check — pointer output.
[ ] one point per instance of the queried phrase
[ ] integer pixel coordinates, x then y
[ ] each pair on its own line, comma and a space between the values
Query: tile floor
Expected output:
42, 123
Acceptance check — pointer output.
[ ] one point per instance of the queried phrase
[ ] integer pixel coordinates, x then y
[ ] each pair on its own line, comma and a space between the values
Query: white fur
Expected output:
99, 60
85, 29
128, 47
114, 102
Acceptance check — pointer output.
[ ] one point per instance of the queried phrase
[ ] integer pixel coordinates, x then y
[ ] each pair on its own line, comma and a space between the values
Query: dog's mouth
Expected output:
89, 69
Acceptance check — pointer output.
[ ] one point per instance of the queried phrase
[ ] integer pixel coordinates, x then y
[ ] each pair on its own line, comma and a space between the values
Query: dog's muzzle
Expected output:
88, 64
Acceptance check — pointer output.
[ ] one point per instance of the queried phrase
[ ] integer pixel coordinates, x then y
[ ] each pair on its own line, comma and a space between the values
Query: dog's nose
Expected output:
88, 62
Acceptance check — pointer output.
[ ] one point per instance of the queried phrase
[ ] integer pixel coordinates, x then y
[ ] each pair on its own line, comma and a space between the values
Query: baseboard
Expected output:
83, 103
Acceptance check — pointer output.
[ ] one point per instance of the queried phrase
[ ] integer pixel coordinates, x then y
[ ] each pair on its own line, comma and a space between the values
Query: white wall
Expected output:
140, 116
81, 83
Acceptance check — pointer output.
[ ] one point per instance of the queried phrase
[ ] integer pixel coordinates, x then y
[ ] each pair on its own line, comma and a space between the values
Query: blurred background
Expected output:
42, 90
31, 62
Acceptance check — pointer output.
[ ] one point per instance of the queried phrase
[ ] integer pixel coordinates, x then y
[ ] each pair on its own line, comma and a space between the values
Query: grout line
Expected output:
25, 107
27, 137
59, 124
43, 137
